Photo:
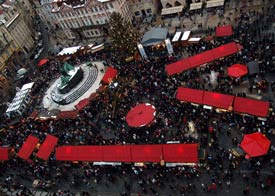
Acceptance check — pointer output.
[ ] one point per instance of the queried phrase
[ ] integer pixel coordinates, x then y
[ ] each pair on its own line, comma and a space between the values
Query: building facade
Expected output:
18, 23
172, 3
143, 8
79, 19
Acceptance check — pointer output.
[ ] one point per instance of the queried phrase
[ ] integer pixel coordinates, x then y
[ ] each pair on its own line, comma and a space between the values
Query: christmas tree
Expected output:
123, 37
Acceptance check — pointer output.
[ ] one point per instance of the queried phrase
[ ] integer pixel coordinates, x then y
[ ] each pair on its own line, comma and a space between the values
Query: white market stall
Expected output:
20, 101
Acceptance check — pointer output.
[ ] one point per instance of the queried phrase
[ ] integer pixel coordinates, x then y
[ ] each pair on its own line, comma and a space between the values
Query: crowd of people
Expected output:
103, 123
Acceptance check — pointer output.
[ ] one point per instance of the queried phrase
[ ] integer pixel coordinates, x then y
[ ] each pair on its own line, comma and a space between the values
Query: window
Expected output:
111, 5
92, 33
96, 9
137, 13
96, 32
149, 11
97, 22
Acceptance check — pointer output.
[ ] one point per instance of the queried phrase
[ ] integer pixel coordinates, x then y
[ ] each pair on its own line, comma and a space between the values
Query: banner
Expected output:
142, 51
169, 46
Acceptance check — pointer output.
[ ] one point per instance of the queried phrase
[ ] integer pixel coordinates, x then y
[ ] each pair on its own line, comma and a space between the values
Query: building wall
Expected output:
7, 46
143, 8
18, 24
172, 3
86, 20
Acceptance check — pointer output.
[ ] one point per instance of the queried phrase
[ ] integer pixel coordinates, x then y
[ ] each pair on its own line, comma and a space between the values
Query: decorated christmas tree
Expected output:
123, 37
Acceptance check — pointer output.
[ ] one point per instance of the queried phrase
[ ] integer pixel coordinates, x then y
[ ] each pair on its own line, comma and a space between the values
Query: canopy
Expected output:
180, 153
47, 147
146, 153
190, 95
173, 153
202, 58
109, 75
28, 147
214, 3
68, 51
218, 100
4, 154
178, 67
79, 153
141, 115
171, 10
222, 31
82, 104
237, 70
116, 153
251, 106
253, 67
185, 35
195, 6
225, 50
176, 37
255, 144
154, 36
21, 71
42, 62
67, 114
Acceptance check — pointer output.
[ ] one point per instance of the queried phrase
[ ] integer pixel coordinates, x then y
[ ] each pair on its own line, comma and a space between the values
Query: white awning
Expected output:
194, 39
185, 35
195, 6
176, 37
171, 10
27, 86
214, 3
68, 51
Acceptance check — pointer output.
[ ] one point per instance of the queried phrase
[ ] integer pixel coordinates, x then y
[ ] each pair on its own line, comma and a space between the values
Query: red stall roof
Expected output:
141, 115
28, 147
255, 144
178, 67
201, 58
82, 104
67, 114
180, 153
47, 147
146, 153
116, 153
4, 154
225, 50
79, 153
190, 95
251, 106
218, 100
222, 31
109, 75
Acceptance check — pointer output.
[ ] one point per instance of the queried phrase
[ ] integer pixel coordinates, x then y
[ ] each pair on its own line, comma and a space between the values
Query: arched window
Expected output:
177, 3
168, 5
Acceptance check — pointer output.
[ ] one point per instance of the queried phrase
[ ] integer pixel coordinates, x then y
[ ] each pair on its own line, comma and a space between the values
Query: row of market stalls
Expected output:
68, 52
202, 58
44, 150
254, 145
179, 154
223, 102
183, 37
157, 38
183, 154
